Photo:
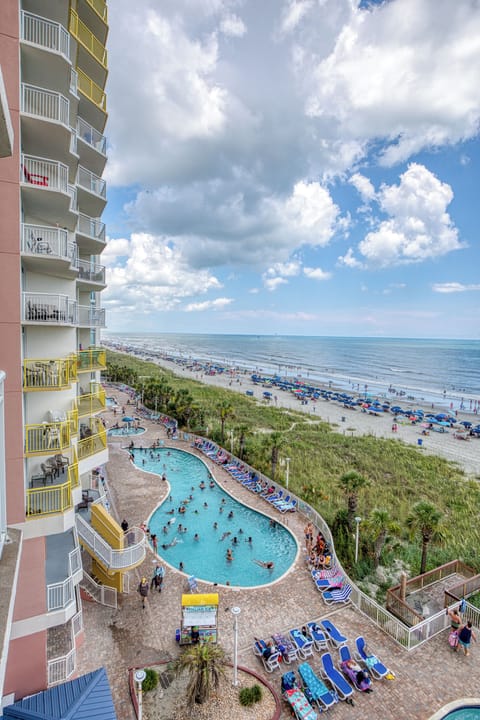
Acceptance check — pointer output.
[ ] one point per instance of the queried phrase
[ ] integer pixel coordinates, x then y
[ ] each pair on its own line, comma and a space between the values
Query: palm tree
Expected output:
425, 519
226, 411
381, 524
276, 439
351, 483
205, 664
243, 430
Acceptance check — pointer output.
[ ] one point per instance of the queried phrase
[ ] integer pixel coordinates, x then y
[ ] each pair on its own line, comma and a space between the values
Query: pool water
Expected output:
125, 431
206, 557
465, 713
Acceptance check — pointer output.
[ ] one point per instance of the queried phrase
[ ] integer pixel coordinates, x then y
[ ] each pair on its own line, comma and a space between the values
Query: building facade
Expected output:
54, 63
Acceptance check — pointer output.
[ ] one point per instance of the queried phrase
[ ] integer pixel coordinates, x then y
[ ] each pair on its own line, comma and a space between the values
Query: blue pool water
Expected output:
206, 557
465, 713
125, 431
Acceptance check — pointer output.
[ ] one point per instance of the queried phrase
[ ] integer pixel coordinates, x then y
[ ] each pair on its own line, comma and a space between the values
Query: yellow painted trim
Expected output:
200, 599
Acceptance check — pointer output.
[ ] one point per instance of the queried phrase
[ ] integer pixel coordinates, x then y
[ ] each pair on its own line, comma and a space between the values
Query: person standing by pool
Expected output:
465, 637
143, 589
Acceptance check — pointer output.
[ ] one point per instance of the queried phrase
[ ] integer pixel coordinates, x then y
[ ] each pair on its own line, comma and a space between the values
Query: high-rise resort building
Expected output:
53, 112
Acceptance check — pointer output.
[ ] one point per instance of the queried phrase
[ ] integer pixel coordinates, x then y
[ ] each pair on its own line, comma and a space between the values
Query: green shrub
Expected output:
250, 695
151, 681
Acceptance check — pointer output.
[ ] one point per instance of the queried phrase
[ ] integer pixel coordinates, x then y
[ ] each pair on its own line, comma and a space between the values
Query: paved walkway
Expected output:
426, 678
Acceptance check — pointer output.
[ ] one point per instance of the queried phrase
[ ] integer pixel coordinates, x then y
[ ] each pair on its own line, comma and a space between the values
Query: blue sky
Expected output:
294, 166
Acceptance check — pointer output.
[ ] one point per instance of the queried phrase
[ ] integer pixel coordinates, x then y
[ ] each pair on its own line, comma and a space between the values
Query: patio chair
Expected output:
335, 637
48, 471
342, 596
329, 672
61, 461
315, 689
303, 643
371, 662
319, 638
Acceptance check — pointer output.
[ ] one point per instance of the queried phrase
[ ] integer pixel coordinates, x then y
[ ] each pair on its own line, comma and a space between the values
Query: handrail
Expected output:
85, 37
51, 500
103, 594
46, 104
92, 359
44, 173
95, 442
40, 374
91, 272
109, 558
91, 136
91, 403
91, 316
47, 308
48, 241
45, 33
93, 227
91, 182
91, 90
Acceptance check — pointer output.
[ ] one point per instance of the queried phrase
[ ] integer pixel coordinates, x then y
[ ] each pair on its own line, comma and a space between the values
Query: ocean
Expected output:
440, 371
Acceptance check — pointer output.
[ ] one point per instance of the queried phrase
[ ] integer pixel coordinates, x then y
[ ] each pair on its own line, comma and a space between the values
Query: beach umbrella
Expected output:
466, 424
396, 409
127, 419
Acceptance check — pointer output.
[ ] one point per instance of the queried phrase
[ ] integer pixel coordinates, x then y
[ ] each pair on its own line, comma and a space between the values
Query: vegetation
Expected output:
425, 519
205, 666
250, 695
397, 475
151, 680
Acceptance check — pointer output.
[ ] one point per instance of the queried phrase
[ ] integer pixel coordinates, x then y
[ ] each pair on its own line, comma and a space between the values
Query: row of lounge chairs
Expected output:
332, 586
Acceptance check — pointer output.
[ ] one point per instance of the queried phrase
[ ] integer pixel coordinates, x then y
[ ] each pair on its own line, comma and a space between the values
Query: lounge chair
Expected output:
286, 647
303, 643
192, 583
315, 689
371, 662
329, 672
335, 637
319, 638
357, 675
333, 582
291, 507
269, 655
292, 694
333, 597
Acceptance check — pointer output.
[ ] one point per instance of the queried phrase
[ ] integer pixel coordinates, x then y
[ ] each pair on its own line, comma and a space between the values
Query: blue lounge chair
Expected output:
371, 662
335, 597
335, 637
358, 675
329, 672
333, 582
291, 507
316, 689
286, 647
303, 643
269, 656
319, 638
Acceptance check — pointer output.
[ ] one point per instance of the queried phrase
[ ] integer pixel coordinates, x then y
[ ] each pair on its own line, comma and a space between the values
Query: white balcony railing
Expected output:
45, 33
72, 191
91, 136
91, 316
74, 82
62, 594
73, 142
93, 227
61, 668
47, 308
45, 104
91, 272
44, 173
111, 559
51, 241
103, 594
91, 182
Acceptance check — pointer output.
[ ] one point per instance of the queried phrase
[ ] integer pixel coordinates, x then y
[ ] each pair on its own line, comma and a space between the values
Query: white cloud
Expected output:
293, 13
276, 274
217, 304
419, 227
349, 260
454, 287
363, 185
316, 273
233, 26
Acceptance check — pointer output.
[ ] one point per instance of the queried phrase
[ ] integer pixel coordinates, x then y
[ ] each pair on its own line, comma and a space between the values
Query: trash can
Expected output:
420, 441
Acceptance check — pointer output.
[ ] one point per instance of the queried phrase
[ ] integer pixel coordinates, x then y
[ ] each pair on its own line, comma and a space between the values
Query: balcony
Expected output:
46, 50
91, 359
74, 83
45, 34
91, 276
45, 104
56, 374
63, 570
91, 316
61, 667
93, 438
92, 53
95, 110
46, 123
92, 402
46, 191
46, 309
90, 234
112, 560
47, 437
92, 191
92, 146
50, 500
48, 250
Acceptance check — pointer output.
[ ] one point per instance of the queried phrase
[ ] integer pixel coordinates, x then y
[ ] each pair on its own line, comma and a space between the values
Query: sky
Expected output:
306, 167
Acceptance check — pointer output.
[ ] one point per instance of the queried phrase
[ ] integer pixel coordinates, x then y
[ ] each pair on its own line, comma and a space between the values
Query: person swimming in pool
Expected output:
265, 564
225, 534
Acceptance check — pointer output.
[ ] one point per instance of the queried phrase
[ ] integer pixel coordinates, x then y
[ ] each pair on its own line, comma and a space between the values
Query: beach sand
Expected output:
352, 422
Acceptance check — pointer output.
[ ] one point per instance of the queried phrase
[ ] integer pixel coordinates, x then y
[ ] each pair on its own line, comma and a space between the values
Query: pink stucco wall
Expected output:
27, 665
30, 599
10, 288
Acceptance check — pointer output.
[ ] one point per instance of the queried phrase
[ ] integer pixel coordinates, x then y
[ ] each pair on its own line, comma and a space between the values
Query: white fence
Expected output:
103, 594
133, 554
62, 594
44, 173
45, 33
61, 668
46, 104
43, 307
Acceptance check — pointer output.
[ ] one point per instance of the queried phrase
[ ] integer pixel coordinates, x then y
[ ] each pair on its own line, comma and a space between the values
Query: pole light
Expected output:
235, 612
357, 521
287, 471
140, 676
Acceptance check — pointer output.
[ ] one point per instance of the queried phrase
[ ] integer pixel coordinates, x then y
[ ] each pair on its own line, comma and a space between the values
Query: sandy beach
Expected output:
352, 422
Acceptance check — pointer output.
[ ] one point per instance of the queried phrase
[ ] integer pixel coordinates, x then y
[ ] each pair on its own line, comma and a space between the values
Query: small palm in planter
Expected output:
205, 666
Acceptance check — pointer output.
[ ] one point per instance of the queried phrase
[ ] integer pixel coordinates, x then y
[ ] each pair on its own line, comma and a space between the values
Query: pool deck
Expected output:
426, 678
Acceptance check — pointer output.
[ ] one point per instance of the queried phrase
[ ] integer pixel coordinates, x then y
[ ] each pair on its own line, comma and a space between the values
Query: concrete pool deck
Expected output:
427, 678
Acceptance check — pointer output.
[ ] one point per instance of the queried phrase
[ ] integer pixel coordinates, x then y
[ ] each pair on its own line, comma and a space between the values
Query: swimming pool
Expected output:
125, 431
205, 557
463, 713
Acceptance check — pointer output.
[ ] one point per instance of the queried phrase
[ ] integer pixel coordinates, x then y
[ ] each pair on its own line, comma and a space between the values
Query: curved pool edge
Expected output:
455, 705
241, 502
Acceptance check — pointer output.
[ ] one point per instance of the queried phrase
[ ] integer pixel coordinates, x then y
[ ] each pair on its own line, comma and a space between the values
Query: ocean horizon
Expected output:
429, 370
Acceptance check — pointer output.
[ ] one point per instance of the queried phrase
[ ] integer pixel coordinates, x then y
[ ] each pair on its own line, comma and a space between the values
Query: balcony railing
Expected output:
44, 438
92, 402
91, 136
63, 667
49, 500
86, 38
72, 417
74, 82
62, 594
45, 33
93, 438
100, 7
91, 316
91, 182
55, 374
91, 359
92, 91
92, 227
73, 476
44, 240
73, 142
132, 555
44, 173
72, 191
91, 272
45, 104
51, 309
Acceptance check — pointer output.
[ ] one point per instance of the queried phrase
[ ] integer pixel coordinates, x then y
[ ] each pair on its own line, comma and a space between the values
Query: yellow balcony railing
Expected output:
100, 7
86, 38
45, 438
52, 374
91, 359
73, 476
93, 439
72, 417
92, 402
91, 90
49, 500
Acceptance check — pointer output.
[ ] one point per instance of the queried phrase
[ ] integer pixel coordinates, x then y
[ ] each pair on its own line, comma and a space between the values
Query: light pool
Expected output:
206, 557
